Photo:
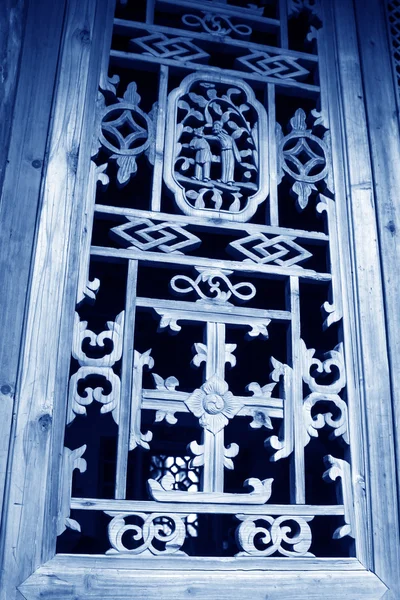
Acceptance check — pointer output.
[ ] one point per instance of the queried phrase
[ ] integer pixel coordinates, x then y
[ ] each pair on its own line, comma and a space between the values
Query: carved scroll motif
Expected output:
100, 384
180, 49
114, 335
283, 443
333, 363
333, 410
151, 534
95, 379
136, 437
144, 235
338, 468
163, 492
220, 25
338, 423
213, 278
215, 154
72, 459
287, 536
304, 157
125, 132
334, 307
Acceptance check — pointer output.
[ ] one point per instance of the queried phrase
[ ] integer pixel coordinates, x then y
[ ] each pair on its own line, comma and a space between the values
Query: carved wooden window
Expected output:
216, 393
215, 416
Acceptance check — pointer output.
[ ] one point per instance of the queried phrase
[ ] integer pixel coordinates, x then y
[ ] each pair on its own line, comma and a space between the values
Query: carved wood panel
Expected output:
208, 350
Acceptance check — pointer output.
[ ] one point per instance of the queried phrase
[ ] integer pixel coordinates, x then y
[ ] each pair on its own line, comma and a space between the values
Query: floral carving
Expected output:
215, 162
213, 404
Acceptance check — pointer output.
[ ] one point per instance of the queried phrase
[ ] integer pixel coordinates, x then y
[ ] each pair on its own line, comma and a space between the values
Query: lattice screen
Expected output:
207, 411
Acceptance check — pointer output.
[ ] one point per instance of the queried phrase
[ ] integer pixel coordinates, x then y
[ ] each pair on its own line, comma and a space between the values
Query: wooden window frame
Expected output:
30, 567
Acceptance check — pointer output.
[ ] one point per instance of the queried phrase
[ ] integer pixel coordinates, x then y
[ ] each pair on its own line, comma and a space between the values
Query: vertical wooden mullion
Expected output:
213, 471
297, 475
273, 163
283, 19
159, 139
150, 6
126, 381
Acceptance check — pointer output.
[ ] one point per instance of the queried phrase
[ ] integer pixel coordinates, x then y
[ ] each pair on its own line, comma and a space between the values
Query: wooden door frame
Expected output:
28, 536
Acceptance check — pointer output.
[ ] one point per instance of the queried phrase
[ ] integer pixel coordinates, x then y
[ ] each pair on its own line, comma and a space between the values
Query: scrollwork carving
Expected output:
72, 459
283, 443
274, 536
114, 335
215, 159
136, 437
338, 424
220, 25
152, 534
338, 468
333, 363
104, 386
215, 279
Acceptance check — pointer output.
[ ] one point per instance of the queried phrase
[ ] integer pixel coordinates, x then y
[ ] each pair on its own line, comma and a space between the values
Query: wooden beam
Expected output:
22, 178
65, 581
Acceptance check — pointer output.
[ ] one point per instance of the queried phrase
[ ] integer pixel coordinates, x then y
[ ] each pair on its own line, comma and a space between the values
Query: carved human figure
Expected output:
229, 152
202, 157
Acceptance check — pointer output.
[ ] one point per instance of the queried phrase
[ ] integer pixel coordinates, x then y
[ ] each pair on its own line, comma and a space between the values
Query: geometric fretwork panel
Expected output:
208, 404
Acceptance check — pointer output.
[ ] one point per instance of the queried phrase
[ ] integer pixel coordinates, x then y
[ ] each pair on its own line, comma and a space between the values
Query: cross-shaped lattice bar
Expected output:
216, 353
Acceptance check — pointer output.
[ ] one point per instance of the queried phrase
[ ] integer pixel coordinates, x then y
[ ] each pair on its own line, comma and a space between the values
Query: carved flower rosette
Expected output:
215, 163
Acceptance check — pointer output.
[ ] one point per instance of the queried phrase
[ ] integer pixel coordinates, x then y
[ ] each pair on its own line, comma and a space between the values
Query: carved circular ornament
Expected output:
213, 404
121, 132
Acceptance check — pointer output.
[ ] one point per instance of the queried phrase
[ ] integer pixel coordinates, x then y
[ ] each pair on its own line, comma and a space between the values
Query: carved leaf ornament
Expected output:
216, 150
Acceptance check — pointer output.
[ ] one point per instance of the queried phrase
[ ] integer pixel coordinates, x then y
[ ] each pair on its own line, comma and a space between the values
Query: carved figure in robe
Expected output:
229, 153
203, 156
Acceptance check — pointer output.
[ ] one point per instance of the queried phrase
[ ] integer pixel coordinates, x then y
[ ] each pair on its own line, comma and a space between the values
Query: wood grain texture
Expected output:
52, 295
12, 22
63, 582
365, 333
384, 139
22, 177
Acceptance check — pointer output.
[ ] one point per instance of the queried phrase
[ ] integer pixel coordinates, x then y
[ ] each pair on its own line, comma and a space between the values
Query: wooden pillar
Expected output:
384, 138
27, 100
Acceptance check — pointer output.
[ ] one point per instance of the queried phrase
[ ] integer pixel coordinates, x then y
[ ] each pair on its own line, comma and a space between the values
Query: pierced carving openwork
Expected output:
215, 162
210, 400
